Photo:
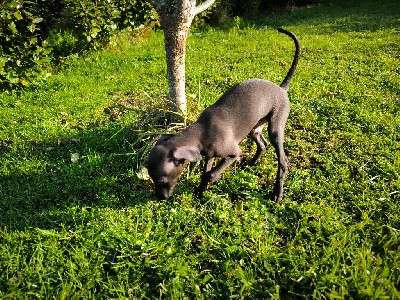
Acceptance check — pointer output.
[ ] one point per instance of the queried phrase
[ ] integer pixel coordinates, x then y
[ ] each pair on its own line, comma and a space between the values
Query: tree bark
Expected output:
176, 16
176, 30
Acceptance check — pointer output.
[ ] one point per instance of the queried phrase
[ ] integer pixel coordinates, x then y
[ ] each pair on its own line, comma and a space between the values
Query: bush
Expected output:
25, 26
96, 21
23, 50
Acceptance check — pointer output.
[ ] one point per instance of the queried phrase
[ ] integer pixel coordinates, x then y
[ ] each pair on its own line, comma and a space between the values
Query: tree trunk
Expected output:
175, 50
176, 16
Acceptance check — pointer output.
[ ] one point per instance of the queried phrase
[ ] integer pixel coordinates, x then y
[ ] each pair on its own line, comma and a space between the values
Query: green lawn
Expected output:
77, 221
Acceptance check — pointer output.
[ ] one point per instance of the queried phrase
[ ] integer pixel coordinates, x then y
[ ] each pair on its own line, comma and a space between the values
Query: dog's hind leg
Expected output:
276, 126
257, 135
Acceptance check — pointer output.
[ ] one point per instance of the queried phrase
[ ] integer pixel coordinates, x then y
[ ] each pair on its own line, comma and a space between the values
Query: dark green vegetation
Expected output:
35, 36
77, 222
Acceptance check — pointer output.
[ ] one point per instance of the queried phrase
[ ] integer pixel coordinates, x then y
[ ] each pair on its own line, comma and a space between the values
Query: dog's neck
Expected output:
191, 136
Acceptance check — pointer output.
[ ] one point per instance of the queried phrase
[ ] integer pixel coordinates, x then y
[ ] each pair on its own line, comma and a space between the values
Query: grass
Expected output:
78, 222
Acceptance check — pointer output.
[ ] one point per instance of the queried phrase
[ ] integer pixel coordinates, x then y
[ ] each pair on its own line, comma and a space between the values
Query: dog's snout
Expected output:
162, 194
164, 191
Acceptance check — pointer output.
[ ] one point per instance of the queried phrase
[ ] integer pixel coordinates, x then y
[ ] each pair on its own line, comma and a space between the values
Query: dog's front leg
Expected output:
205, 178
215, 173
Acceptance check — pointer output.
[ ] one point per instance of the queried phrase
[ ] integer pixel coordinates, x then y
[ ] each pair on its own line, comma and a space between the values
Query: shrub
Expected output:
24, 53
96, 21
25, 26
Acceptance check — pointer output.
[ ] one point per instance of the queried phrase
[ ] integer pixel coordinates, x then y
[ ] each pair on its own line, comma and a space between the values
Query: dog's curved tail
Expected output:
286, 82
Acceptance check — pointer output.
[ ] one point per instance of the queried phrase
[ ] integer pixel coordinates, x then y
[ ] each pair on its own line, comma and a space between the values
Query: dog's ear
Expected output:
186, 153
163, 138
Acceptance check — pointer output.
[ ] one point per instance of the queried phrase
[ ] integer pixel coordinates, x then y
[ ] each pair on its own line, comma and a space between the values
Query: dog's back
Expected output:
242, 106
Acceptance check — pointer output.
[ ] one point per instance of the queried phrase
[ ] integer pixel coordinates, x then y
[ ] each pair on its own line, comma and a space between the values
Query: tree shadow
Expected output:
55, 183
327, 17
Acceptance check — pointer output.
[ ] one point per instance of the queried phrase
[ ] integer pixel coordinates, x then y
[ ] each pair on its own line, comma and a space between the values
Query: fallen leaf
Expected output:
74, 157
143, 174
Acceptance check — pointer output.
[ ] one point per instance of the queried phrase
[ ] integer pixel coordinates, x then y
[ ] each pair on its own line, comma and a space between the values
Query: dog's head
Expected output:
166, 162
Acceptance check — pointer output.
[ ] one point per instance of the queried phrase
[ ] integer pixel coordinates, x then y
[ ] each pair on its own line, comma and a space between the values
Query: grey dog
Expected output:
242, 110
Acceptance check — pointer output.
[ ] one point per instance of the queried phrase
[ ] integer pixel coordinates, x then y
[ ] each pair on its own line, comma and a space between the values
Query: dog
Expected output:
242, 110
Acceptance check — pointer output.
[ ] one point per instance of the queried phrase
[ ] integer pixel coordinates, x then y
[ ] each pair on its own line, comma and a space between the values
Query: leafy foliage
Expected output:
98, 20
25, 52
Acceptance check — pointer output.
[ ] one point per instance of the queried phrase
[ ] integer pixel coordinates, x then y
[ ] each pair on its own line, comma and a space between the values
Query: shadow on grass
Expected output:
329, 17
49, 183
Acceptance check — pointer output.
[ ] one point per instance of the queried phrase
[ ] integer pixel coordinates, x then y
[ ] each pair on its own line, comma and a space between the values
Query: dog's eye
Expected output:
161, 181
178, 162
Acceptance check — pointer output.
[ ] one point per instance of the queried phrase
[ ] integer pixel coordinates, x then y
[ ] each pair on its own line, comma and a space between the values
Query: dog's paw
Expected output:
215, 177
